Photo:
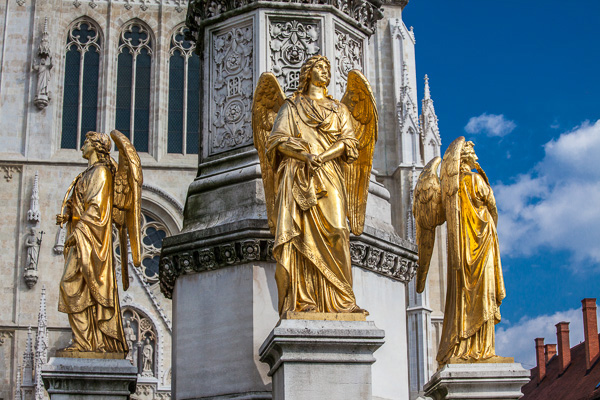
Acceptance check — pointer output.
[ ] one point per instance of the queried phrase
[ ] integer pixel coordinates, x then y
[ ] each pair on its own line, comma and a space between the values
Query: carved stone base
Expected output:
90, 354
501, 381
89, 379
321, 359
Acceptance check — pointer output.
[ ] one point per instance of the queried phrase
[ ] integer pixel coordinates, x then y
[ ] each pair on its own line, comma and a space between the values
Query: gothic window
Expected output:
184, 95
133, 85
153, 233
80, 95
142, 341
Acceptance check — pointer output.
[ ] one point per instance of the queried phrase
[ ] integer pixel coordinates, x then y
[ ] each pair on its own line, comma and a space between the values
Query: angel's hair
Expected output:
100, 141
306, 69
466, 151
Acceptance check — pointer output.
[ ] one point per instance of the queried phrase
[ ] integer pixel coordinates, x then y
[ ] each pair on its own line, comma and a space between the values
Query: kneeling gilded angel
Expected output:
316, 155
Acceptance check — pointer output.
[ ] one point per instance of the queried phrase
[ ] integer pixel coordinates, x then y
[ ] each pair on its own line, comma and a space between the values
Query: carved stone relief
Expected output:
290, 44
348, 56
367, 256
9, 170
231, 87
141, 335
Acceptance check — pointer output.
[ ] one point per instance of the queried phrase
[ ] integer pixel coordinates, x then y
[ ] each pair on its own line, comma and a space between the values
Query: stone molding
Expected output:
383, 258
363, 13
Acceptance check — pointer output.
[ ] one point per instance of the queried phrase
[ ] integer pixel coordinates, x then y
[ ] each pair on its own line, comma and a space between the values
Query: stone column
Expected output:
321, 359
498, 381
89, 379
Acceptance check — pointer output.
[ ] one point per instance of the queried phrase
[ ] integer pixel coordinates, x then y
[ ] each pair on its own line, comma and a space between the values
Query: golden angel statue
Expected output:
465, 200
103, 194
315, 155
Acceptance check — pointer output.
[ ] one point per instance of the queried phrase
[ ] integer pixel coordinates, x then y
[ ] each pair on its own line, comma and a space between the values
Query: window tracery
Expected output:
80, 92
184, 95
153, 233
134, 76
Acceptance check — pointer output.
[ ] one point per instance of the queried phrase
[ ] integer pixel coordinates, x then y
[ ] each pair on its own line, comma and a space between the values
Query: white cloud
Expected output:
518, 340
490, 124
556, 205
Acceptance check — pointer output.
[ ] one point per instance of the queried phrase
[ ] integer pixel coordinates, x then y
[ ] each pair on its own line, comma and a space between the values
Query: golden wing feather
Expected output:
449, 177
429, 213
268, 99
127, 202
361, 103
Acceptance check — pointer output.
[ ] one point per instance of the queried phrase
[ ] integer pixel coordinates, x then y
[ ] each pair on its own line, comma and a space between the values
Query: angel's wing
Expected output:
449, 177
429, 213
360, 101
268, 99
127, 202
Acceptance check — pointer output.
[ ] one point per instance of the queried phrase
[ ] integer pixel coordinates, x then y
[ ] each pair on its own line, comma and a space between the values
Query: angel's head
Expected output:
317, 70
468, 158
96, 142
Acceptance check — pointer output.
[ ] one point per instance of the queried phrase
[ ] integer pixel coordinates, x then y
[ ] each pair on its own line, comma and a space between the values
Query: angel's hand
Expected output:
313, 162
61, 219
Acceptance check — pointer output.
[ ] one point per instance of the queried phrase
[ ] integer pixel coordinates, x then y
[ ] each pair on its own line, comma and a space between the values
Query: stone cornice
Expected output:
193, 252
364, 14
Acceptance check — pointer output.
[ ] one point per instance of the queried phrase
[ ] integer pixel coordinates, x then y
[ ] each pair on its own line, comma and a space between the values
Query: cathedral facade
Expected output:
72, 66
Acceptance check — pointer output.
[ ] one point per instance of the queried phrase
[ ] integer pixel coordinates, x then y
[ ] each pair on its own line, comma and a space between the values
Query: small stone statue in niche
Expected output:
147, 353
42, 97
130, 338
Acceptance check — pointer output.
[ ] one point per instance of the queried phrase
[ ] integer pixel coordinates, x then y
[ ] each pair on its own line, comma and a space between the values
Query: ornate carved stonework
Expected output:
348, 56
9, 170
231, 90
291, 43
382, 261
5, 335
365, 13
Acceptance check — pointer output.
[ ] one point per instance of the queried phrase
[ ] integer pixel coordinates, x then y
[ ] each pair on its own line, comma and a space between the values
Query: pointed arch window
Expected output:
80, 93
184, 95
134, 75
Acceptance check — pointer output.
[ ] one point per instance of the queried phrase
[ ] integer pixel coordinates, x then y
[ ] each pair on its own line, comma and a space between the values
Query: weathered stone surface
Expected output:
321, 359
502, 381
89, 379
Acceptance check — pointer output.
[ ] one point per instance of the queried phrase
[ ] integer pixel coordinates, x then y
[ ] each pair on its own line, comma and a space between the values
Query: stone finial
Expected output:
41, 340
33, 215
427, 92
61, 236
405, 78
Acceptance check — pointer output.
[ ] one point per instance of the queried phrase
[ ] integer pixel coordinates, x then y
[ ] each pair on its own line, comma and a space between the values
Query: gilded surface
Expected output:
316, 155
103, 194
465, 200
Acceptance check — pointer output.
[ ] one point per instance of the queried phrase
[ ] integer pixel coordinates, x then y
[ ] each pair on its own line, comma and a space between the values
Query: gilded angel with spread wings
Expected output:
103, 194
465, 200
315, 155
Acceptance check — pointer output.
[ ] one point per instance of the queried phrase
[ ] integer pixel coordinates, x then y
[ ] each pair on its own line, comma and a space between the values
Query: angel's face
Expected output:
319, 75
87, 149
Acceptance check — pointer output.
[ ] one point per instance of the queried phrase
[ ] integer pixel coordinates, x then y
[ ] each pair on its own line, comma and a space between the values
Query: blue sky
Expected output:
521, 79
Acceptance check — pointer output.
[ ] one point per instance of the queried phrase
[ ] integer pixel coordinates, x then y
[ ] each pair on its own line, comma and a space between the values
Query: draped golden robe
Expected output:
88, 288
312, 237
476, 286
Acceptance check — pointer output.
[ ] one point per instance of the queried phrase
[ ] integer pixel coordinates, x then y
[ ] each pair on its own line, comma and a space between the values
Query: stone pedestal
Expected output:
331, 360
502, 381
89, 379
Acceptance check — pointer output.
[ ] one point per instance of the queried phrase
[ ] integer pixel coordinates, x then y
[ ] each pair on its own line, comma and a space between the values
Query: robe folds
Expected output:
88, 287
312, 237
476, 286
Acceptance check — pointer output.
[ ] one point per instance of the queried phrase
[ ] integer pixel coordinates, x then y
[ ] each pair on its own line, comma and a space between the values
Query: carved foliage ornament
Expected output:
226, 254
231, 90
291, 44
365, 12
348, 56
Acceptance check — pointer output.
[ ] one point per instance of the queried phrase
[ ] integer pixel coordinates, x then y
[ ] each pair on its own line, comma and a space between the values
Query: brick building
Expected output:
572, 373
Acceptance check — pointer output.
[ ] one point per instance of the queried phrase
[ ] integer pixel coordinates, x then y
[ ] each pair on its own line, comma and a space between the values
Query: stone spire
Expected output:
430, 132
33, 215
41, 347
18, 395
28, 362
